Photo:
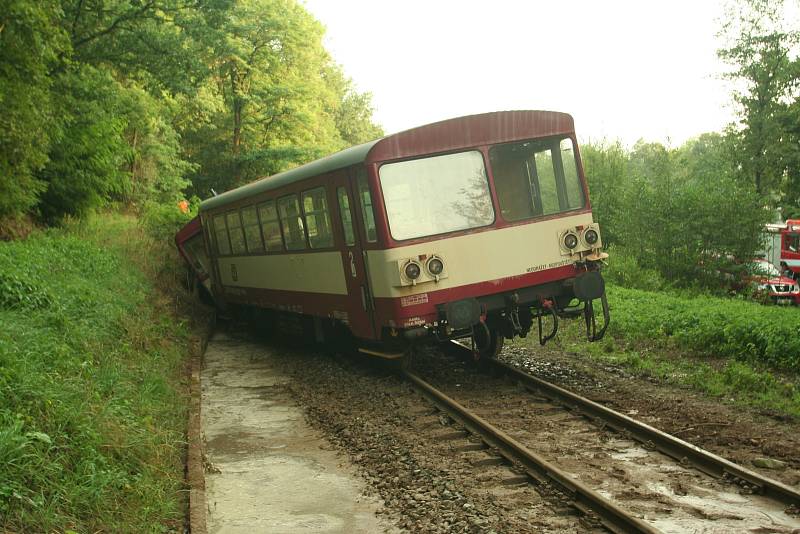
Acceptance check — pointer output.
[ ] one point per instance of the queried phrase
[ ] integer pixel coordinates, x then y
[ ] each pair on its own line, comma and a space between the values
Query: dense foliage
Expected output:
724, 328
138, 101
682, 213
91, 410
761, 47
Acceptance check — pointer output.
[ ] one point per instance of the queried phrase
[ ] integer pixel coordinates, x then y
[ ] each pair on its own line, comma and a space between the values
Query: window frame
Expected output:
489, 188
315, 213
559, 174
276, 220
299, 216
216, 233
257, 224
238, 216
363, 180
351, 220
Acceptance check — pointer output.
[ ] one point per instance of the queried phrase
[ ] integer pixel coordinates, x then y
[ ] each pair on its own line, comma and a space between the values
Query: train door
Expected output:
360, 312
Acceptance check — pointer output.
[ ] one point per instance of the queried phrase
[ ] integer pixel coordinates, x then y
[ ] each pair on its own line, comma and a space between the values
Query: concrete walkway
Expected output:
266, 469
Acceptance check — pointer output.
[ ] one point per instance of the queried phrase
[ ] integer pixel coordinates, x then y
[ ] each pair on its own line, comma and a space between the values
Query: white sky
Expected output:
622, 69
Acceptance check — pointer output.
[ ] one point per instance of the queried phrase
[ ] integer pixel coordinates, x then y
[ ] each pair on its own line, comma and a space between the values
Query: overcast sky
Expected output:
622, 69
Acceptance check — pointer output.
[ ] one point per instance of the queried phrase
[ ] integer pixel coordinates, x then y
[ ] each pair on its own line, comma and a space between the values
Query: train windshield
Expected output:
436, 195
536, 178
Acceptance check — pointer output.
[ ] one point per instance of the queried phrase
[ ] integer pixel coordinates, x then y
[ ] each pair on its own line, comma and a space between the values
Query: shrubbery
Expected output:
680, 214
727, 328
623, 270
162, 221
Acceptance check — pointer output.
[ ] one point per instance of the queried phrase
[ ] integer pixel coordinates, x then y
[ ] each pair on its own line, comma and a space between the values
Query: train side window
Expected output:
294, 234
270, 227
347, 216
365, 198
221, 236
236, 232
574, 189
252, 233
318, 223
546, 178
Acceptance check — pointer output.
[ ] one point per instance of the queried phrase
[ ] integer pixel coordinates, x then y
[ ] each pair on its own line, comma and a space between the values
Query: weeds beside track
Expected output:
92, 404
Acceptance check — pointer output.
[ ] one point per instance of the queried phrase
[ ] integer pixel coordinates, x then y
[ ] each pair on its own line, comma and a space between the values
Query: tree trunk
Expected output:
237, 105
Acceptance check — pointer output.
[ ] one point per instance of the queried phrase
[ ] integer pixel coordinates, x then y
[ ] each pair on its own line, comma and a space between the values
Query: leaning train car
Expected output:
192, 248
475, 227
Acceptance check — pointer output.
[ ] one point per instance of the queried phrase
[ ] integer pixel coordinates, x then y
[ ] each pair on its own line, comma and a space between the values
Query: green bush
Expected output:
709, 325
625, 271
162, 221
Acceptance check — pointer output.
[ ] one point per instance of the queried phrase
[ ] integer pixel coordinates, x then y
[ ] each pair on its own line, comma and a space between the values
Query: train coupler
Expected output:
547, 309
592, 333
518, 321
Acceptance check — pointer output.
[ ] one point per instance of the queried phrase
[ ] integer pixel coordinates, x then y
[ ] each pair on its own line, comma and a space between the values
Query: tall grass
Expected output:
92, 409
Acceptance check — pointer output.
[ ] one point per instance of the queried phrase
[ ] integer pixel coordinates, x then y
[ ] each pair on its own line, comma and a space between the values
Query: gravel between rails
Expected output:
428, 482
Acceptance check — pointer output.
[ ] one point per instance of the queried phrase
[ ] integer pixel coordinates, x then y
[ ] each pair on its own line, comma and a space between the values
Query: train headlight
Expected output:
570, 241
435, 266
412, 270
590, 236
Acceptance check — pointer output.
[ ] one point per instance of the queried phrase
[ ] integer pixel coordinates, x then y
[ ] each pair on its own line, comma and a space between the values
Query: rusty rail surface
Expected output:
585, 499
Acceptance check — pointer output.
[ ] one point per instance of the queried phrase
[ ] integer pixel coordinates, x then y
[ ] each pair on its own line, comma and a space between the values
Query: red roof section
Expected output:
189, 230
474, 130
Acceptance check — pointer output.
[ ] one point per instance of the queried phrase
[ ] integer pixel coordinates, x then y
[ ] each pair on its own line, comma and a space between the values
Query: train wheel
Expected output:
488, 342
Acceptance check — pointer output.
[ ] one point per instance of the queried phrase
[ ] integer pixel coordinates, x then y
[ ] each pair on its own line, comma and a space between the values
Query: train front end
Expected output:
489, 241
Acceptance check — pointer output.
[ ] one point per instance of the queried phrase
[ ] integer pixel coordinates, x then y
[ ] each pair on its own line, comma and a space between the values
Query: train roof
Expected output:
443, 136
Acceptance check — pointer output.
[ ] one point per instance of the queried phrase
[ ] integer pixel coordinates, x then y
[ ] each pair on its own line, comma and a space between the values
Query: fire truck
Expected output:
784, 246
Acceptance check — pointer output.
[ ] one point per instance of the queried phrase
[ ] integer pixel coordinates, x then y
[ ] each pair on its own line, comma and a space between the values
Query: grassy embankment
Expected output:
735, 349
92, 393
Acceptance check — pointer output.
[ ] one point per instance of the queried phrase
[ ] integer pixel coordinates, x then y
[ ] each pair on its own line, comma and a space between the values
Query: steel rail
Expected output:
668, 444
585, 499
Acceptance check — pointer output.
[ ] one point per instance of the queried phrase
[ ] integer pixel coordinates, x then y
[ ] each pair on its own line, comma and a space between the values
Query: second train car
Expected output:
475, 227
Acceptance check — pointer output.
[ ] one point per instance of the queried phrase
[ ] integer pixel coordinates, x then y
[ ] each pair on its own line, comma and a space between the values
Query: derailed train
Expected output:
477, 226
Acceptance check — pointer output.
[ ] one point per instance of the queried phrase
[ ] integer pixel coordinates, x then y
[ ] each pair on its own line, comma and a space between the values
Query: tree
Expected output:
155, 165
681, 212
762, 54
31, 40
352, 111
274, 99
85, 163
605, 167
121, 100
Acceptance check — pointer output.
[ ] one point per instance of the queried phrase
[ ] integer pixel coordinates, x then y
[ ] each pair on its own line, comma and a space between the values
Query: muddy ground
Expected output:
433, 481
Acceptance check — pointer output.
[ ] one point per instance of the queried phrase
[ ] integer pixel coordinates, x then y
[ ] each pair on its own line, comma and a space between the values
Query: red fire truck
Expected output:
790, 248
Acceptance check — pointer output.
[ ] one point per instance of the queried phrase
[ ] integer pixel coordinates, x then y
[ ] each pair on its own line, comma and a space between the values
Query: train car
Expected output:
191, 247
477, 226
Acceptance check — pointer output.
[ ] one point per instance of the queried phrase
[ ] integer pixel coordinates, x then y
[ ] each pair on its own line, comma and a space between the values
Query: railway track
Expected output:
597, 506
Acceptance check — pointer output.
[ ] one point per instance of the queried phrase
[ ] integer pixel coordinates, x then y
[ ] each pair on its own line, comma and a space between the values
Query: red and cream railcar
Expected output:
476, 226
